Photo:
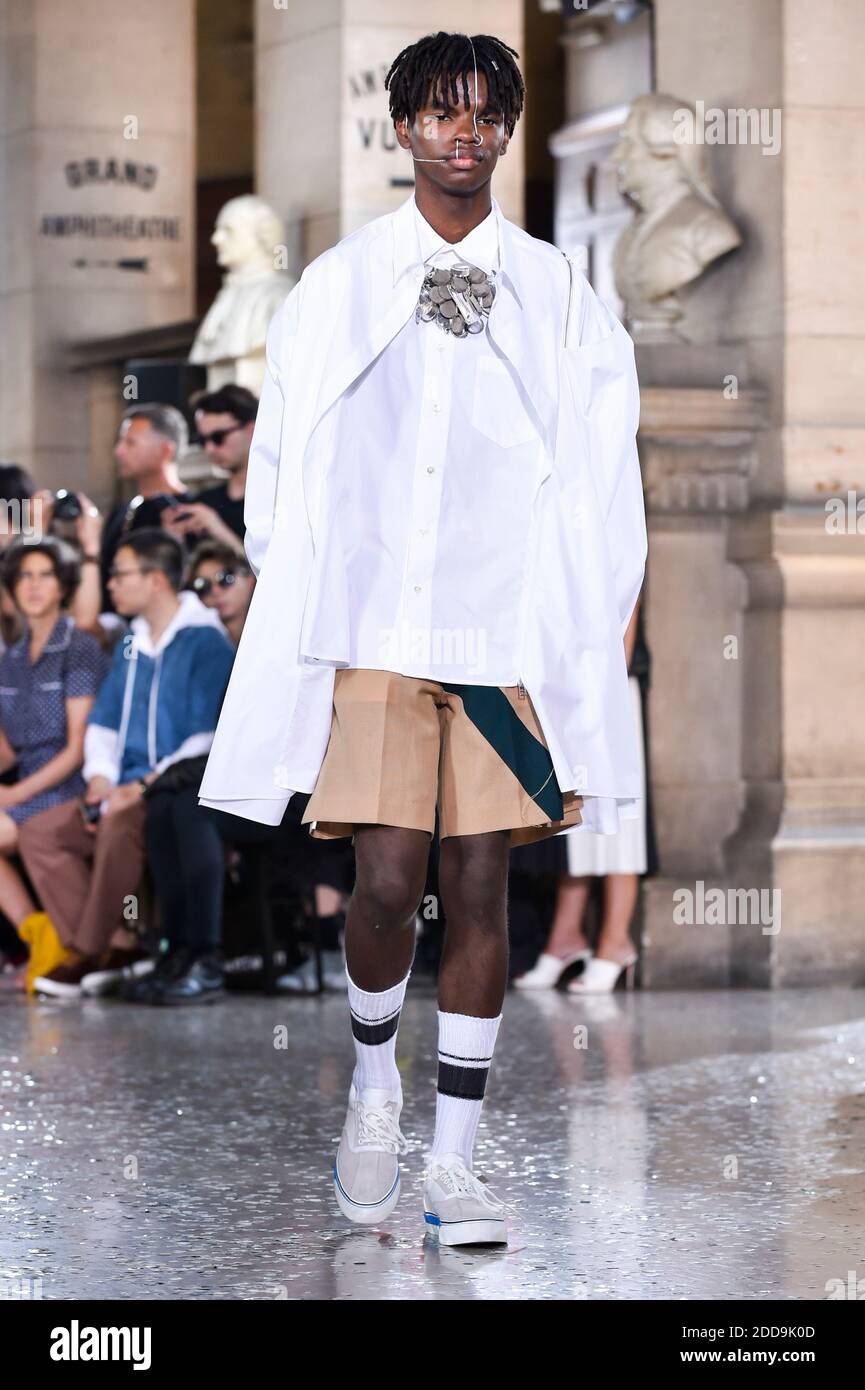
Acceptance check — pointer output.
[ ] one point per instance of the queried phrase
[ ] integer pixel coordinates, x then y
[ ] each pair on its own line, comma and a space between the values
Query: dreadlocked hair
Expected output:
436, 62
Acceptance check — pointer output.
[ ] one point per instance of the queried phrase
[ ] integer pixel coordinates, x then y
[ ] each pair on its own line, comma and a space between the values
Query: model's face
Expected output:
460, 148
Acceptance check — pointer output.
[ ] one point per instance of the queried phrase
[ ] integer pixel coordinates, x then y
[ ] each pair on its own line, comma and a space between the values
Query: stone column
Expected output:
759, 767
326, 153
97, 178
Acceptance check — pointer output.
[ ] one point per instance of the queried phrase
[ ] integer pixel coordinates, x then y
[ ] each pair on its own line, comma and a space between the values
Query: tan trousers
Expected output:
82, 878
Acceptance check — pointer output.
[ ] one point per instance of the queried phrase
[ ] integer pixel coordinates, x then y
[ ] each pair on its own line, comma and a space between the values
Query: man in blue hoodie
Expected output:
158, 707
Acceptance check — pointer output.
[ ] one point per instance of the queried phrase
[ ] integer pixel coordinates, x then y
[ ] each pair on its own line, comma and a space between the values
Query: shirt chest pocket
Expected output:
497, 410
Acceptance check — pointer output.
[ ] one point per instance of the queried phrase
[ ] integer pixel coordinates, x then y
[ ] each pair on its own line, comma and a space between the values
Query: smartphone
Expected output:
90, 812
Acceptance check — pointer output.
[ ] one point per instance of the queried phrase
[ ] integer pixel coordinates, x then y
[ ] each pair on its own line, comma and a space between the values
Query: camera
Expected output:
66, 505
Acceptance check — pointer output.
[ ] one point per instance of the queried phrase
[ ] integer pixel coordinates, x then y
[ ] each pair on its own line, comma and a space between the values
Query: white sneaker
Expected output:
459, 1207
366, 1178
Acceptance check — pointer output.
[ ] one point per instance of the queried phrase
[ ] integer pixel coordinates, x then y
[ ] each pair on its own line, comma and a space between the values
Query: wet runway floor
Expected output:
698, 1146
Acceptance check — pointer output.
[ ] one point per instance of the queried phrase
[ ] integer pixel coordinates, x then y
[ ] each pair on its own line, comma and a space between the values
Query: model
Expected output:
445, 514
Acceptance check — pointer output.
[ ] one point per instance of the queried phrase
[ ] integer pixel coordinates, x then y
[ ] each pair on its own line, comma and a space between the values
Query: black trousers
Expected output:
186, 858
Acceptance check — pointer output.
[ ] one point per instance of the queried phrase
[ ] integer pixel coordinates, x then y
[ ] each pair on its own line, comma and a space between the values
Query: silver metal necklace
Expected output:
457, 299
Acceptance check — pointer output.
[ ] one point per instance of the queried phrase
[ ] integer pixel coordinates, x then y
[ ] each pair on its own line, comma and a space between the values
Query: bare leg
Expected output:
390, 873
15, 901
473, 879
620, 901
566, 935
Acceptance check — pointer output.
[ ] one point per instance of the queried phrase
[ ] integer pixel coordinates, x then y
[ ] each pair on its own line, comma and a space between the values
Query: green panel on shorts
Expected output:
492, 713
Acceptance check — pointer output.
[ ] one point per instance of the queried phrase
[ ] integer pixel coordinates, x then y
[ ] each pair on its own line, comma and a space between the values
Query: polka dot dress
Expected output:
33, 705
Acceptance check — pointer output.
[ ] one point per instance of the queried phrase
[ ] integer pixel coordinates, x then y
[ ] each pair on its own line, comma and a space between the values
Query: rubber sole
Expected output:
484, 1231
103, 981
365, 1213
52, 990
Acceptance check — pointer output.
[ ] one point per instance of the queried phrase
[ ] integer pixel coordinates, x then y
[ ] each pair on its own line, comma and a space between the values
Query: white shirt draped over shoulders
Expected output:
468, 510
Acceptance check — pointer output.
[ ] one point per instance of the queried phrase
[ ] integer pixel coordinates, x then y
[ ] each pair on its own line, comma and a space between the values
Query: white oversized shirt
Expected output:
434, 466
328, 523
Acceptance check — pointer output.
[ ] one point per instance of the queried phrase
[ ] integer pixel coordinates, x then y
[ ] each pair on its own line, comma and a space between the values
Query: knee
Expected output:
9, 843
390, 894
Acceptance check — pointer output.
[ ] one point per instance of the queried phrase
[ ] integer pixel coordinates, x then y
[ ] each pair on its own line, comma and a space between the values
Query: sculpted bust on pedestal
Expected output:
247, 236
679, 228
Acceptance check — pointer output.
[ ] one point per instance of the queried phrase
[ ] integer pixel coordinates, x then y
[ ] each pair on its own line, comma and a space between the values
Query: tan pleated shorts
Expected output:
401, 748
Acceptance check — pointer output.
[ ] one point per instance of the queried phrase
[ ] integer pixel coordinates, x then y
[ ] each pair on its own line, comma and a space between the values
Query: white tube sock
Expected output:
374, 1024
465, 1051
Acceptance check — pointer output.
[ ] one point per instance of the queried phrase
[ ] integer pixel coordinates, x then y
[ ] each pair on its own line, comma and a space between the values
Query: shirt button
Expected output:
430, 468
417, 588
423, 530
436, 407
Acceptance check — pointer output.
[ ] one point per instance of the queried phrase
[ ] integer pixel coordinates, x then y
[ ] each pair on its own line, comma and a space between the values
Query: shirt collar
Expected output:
416, 242
58, 638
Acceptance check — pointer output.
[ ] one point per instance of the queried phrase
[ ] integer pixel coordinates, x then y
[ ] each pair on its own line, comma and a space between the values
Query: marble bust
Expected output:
679, 227
231, 337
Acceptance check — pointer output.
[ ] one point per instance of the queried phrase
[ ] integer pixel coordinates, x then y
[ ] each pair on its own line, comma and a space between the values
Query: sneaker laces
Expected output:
462, 1182
378, 1128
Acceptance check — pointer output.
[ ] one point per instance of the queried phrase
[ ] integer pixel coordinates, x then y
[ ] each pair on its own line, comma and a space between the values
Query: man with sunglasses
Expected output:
224, 583
225, 420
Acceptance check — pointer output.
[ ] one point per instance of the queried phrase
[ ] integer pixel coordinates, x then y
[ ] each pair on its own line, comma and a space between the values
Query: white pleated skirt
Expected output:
624, 853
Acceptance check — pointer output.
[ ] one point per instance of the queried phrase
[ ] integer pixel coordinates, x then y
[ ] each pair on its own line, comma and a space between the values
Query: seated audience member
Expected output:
224, 582
49, 679
157, 708
225, 420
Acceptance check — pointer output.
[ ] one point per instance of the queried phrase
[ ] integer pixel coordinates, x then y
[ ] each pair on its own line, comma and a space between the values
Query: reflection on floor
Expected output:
686, 1146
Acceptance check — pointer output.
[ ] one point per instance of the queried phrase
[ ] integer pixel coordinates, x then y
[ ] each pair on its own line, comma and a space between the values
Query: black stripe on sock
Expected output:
373, 1034
467, 1082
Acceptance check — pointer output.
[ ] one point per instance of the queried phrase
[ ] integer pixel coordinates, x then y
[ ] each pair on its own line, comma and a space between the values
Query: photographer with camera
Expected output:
73, 518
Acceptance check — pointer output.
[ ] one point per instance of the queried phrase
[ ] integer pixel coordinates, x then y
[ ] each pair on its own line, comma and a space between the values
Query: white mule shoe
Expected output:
548, 970
601, 976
